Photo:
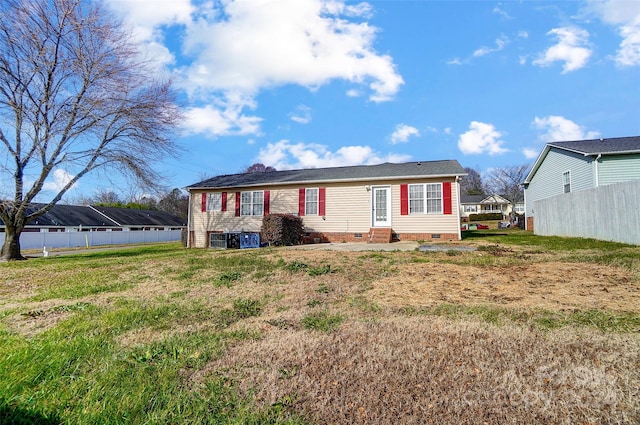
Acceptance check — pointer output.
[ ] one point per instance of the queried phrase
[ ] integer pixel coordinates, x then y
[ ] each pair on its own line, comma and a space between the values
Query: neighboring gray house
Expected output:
366, 203
568, 167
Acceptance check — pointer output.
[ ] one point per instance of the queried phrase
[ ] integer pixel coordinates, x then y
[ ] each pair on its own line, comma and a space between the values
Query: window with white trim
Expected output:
252, 203
434, 198
214, 201
470, 208
566, 181
416, 198
311, 201
425, 198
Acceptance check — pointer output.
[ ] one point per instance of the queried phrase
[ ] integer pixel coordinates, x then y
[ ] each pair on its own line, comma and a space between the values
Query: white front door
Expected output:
381, 206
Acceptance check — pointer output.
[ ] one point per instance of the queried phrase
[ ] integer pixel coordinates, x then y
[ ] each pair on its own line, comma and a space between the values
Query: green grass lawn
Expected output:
161, 335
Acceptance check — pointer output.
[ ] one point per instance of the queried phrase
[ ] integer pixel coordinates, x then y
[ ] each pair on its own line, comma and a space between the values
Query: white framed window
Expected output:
434, 198
470, 208
214, 201
425, 198
311, 201
566, 181
252, 203
416, 198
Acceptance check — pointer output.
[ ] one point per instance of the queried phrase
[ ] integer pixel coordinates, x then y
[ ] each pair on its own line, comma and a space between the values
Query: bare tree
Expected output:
471, 184
507, 182
175, 202
259, 168
107, 197
75, 97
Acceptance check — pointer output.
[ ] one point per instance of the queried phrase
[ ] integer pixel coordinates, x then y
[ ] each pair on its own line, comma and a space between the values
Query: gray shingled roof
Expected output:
135, 217
618, 145
471, 199
69, 216
74, 215
335, 174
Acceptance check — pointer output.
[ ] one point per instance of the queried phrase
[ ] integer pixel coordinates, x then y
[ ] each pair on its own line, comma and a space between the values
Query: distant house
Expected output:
368, 203
573, 166
135, 219
483, 204
74, 218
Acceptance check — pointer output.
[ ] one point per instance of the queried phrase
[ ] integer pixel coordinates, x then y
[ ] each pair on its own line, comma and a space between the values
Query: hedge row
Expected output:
282, 229
485, 216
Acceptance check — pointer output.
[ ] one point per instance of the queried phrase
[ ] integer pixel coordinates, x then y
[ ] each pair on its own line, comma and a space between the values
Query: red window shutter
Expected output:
404, 199
267, 199
301, 193
322, 201
204, 202
237, 204
224, 201
446, 198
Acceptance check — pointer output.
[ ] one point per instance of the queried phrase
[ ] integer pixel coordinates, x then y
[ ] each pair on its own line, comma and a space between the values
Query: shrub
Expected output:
485, 217
282, 229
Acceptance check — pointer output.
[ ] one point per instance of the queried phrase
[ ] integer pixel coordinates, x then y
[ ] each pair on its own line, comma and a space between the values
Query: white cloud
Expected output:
284, 155
571, 49
625, 16
268, 43
481, 138
302, 115
221, 121
145, 17
403, 132
530, 153
231, 50
60, 179
499, 11
501, 43
558, 128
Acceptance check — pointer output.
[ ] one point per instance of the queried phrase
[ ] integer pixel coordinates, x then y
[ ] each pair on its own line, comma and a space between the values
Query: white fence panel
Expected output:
31, 240
610, 213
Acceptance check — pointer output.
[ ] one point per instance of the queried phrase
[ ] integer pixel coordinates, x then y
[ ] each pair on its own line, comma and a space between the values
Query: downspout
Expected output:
458, 206
189, 222
597, 174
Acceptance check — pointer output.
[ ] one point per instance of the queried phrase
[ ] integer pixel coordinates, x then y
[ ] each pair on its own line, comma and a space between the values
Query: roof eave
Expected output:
612, 153
536, 164
319, 181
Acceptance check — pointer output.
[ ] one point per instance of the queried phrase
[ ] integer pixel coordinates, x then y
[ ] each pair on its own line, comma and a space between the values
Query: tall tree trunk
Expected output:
11, 247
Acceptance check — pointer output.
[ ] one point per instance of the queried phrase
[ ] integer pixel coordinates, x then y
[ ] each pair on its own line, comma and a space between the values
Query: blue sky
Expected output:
318, 83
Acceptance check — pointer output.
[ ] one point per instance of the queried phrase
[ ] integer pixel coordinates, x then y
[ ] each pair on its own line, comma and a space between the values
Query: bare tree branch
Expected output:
507, 182
74, 95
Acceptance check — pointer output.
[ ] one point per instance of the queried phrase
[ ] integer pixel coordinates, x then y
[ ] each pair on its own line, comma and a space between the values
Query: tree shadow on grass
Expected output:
16, 416
474, 234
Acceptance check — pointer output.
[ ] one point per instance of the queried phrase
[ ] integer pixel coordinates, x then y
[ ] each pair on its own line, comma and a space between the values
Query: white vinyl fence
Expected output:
32, 240
610, 213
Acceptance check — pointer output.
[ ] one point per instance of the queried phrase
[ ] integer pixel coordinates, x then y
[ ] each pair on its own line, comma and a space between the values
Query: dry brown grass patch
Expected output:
550, 285
436, 371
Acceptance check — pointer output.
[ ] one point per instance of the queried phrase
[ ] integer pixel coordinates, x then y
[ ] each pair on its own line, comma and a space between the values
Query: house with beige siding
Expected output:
563, 168
366, 203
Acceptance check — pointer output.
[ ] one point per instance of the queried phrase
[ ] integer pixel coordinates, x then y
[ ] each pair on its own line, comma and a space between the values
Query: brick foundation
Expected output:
427, 237
338, 237
530, 224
